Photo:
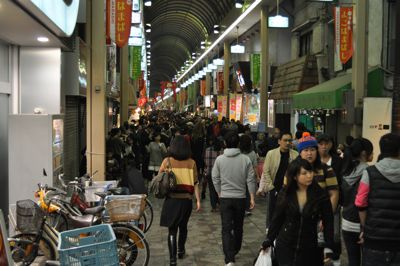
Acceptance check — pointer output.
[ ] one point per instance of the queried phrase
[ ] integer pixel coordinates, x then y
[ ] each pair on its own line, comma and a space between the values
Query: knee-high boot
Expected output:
172, 249
181, 242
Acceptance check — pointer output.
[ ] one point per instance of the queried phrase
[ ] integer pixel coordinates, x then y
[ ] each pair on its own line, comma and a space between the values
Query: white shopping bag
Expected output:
264, 258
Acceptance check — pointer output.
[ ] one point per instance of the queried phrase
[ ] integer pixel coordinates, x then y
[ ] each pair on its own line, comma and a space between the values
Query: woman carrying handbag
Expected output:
177, 206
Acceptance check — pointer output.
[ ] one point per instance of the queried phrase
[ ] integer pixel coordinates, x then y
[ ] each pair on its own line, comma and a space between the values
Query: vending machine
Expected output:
35, 153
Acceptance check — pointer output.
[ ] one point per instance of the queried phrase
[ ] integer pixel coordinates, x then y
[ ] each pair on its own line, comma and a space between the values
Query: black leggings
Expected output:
353, 248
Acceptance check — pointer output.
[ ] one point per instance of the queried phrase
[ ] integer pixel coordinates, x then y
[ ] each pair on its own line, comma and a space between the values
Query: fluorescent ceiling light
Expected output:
237, 49
212, 66
218, 62
42, 39
278, 21
239, 3
147, 2
223, 35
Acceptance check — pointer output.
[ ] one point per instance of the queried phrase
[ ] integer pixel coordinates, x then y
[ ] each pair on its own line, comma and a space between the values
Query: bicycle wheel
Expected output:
25, 251
147, 218
132, 245
58, 221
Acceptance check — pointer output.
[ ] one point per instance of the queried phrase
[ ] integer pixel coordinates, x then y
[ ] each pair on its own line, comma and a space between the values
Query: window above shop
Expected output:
305, 43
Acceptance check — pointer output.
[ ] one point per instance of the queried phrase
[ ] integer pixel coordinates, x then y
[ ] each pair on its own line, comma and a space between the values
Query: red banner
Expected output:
118, 21
220, 82
344, 32
203, 87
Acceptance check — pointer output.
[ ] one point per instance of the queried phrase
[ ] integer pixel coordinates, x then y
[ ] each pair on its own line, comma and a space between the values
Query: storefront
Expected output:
329, 106
30, 86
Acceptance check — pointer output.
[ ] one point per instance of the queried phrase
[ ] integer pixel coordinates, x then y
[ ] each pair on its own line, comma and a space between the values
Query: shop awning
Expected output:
329, 95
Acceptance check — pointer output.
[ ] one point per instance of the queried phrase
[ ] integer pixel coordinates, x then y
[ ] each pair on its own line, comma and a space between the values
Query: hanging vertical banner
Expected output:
220, 82
203, 87
135, 59
222, 106
344, 32
255, 69
232, 107
118, 21
238, 107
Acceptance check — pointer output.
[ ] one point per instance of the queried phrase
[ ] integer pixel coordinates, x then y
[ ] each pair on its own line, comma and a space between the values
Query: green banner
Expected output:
255, 65
135, 59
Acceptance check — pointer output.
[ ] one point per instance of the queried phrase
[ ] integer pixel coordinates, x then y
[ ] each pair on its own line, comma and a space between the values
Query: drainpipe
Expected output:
396, 87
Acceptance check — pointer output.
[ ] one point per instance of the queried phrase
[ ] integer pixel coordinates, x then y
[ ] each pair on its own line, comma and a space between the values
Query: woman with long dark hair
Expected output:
300, 206
356, 157
177, 207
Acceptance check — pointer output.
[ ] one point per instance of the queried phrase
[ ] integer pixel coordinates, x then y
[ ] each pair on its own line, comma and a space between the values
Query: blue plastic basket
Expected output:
94, 245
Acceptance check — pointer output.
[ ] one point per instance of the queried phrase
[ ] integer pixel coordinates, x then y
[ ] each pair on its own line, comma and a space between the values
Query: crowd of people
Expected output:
318, 195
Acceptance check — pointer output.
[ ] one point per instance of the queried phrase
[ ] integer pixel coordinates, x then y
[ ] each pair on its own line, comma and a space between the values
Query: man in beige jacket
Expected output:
275, 165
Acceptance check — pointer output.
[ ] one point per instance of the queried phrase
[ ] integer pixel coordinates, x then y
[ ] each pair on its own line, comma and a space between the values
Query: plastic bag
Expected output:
264, 258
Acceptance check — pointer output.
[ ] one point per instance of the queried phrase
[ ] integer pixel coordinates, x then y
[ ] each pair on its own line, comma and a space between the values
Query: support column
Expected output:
396, 87
208, 83
360, 59
264, 35
227, 63
125, 86
96, 90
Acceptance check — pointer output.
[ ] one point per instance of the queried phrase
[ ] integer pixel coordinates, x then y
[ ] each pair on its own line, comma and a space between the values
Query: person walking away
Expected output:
231, 174
210, 155
355, 161
177, 206
378, 202
294, 224
246, 149
157, 152
330, 158
198, 147
275, 166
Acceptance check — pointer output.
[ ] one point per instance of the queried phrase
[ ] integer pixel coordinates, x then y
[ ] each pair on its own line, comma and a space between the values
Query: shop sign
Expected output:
344, 32
135, 59
255, 68
118, 21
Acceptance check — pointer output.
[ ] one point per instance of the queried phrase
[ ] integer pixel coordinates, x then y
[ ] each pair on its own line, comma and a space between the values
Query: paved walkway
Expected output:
204, 244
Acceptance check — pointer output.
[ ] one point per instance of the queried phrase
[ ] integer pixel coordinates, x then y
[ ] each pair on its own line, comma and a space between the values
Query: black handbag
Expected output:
163, 183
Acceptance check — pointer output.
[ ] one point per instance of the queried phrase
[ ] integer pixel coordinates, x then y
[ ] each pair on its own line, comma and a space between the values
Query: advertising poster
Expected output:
220, 82
222, 106
118, 21
255, 68
251, 109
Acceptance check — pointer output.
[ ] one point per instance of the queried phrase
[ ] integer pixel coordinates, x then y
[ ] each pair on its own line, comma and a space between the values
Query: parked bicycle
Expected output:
38, 238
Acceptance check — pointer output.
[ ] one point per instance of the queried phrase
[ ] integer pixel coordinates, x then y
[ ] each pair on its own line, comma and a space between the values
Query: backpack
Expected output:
163, 183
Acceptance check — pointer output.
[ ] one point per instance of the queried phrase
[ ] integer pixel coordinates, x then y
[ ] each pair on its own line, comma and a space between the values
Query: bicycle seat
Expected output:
84, 220
95, 210
101, 194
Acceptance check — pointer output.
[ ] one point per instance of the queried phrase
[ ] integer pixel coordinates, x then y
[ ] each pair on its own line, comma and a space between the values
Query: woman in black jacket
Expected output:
300, 206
